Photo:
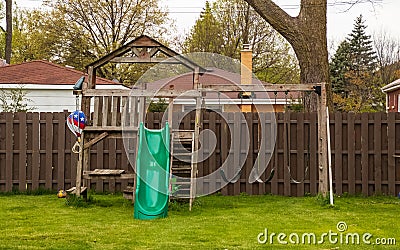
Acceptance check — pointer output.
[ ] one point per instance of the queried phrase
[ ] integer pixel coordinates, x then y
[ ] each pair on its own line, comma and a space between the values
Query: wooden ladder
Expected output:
182, 170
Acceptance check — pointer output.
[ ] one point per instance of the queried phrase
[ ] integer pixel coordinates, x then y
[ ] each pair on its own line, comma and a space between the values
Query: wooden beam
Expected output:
79, 167
106, 92
168, 52
95, 140
141, 93
196, 147
76, 92
110, 129
120, 51
153, 51
100, 177
91, 77
145, 60
259, 88
196, 79
86, 159
183, 60
196, 93
170, 113
144, 42
136, 51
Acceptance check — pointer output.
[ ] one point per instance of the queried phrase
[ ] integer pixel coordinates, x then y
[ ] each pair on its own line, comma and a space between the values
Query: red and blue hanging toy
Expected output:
76, 122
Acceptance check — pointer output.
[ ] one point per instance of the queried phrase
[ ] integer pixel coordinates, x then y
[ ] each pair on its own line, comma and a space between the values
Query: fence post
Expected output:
9, 151
22, 151
35, 151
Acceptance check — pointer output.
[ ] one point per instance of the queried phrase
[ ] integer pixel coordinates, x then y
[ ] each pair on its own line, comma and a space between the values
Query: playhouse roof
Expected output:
153, 56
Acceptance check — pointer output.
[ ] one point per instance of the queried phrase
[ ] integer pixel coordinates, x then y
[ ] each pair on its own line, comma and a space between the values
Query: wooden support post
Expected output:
170, 113
142, 108
91, 77
196, 144
323, 143
84, 155
79, 167
91, 84
197, 127
141, 105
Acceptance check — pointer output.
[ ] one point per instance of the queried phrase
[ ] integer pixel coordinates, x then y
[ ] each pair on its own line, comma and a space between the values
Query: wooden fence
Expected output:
35, 152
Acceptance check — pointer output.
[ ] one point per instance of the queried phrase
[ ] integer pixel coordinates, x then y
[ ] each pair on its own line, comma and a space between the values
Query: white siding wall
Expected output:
53, 98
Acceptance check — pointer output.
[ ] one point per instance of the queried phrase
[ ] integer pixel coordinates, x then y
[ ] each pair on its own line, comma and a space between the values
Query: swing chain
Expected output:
219, 100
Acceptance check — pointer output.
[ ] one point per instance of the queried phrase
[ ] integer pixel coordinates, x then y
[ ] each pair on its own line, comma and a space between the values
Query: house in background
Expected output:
392, 91
49, 86
228, 101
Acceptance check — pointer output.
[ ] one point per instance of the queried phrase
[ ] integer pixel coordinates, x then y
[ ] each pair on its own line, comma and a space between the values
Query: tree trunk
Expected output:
8, 31
307, 35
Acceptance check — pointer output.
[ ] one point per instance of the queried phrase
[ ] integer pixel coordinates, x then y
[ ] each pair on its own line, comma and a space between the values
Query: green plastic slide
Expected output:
152, 169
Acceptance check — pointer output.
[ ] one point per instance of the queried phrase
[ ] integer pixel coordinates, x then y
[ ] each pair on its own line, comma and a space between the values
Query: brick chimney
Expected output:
246, 58
246, 71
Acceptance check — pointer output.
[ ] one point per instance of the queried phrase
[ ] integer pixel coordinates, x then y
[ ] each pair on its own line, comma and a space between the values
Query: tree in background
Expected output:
77, 32
339, 65
8, 48
306, 32
2, 32
14, 100
108, 24
225, 26
2, 14
206, 34
353, 73
38, 36
362, 56
388, 57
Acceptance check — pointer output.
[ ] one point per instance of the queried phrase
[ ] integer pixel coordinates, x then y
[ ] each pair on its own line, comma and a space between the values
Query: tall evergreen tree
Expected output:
362, 55
339, 65
205, 35
352, 69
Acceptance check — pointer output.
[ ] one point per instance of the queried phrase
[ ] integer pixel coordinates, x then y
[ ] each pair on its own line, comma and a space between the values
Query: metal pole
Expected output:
329, 158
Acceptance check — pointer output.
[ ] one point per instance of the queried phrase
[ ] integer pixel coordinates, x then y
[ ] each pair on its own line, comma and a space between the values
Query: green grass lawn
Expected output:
216, 222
